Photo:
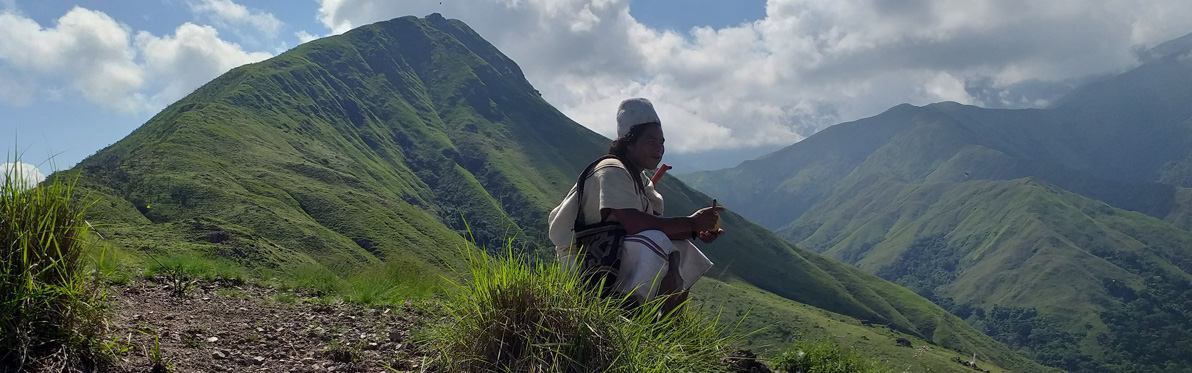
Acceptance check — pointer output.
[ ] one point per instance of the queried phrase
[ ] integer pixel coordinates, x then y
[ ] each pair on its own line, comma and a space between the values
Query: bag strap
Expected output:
579, 188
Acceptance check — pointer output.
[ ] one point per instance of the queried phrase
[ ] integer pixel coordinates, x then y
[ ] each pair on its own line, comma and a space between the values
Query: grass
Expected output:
176, 277
825, 356
514, 314
51, 302
780, 323
1021, 240
388, 283
160, 363
180, 267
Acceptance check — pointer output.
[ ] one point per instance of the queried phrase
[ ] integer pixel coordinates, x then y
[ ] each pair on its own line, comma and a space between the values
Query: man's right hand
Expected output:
705, 219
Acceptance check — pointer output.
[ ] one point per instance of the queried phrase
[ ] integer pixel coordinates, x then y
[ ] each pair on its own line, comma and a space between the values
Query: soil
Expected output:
226, 326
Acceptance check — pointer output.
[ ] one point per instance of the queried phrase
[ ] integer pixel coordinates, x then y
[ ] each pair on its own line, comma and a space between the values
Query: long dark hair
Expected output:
620, 149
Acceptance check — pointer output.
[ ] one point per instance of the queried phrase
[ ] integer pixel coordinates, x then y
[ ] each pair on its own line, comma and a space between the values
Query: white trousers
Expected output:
645, 261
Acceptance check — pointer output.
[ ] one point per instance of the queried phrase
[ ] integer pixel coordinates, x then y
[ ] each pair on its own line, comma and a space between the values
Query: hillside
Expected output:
1054, 222
392, 143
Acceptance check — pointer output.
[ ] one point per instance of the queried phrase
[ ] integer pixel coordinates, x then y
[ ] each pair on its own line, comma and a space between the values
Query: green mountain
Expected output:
395, 141
1062, 232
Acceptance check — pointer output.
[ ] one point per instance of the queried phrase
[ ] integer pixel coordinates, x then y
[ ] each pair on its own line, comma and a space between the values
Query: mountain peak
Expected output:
1175, 47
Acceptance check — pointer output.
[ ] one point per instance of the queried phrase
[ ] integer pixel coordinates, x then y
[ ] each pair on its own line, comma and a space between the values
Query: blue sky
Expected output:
737, 77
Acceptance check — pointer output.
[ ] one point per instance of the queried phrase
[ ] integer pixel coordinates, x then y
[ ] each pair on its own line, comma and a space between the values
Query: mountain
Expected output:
1063, 232
395, 141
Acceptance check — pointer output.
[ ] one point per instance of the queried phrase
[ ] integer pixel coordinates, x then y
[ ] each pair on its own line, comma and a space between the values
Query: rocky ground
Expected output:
226, 326
230, 326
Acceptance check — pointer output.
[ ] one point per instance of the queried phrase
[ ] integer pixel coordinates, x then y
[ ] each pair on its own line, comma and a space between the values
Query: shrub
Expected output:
519, 315
825, 356
51, 306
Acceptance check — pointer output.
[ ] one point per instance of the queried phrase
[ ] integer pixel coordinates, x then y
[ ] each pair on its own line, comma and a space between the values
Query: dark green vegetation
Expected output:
1063, 232
51, 303
392, 143
529, 316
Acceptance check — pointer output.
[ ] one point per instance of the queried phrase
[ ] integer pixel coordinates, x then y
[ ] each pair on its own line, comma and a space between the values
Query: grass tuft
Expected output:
51, 298
824, 356
519, 315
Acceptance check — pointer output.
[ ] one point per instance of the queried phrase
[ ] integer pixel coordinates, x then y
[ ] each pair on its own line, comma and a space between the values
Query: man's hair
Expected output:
620, 149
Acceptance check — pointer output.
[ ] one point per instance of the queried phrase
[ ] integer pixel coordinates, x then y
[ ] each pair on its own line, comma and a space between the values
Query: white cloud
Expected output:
945, 87
24, 175
304, 36
188, 59
225, 13
808, 64
91, 54
87, 49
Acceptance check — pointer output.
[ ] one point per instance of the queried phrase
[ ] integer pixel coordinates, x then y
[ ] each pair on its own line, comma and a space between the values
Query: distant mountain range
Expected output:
1062, 232
394, 142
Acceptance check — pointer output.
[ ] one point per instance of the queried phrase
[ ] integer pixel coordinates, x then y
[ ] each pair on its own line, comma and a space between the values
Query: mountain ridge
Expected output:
1044, 215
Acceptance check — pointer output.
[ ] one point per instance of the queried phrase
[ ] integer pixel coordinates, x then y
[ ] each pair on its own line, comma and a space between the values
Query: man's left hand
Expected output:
709, 236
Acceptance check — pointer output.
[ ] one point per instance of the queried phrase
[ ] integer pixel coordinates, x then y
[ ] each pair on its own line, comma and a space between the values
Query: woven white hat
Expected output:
635, 111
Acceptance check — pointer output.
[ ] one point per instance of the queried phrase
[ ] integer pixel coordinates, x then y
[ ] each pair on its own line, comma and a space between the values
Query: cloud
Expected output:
24, 175
86, 50
188, 59
806, 65
945, 87
304, 36
89, 53
225, 13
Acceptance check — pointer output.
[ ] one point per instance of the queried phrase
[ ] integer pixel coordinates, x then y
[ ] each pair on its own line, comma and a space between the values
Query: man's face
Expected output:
647, 151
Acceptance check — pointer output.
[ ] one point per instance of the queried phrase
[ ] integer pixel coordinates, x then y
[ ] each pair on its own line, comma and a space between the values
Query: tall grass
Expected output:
51, 306
520, 315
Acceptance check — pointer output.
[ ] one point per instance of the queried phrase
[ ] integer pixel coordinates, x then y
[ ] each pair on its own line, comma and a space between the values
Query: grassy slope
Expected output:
779, 186
377, 145
866, 192
751, 254
770, 321
989, 223
1018, 243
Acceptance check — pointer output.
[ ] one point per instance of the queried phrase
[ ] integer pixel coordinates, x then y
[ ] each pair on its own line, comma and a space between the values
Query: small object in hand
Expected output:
717, 226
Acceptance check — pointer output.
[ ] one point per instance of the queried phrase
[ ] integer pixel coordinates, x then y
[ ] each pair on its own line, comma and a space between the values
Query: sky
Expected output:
731, 79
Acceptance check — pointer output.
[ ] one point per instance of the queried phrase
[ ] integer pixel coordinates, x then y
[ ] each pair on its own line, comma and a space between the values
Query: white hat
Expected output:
633, 112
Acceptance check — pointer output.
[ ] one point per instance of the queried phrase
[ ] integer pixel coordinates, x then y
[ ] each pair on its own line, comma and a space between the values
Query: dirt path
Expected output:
222, 326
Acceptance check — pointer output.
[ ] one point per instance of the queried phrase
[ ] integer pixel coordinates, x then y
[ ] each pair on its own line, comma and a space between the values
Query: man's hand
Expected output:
709, 236
704, 219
